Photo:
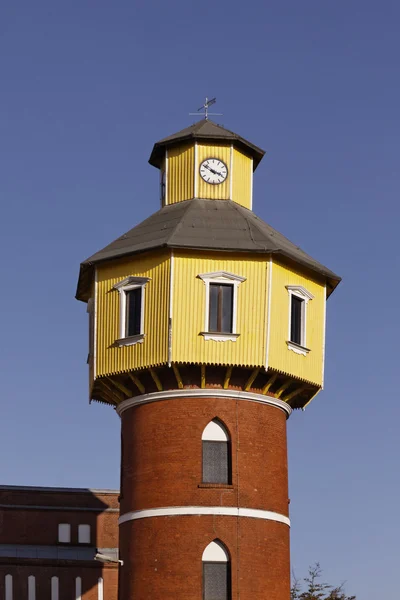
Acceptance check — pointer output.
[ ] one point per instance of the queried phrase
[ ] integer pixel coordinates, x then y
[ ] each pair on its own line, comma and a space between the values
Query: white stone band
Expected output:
203, 393
225, 511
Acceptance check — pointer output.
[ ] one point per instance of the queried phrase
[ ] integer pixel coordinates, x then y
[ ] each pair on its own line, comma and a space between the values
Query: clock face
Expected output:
213, 170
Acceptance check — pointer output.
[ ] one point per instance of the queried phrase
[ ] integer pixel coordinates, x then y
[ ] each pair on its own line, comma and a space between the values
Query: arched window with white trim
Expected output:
216, 449
216, 572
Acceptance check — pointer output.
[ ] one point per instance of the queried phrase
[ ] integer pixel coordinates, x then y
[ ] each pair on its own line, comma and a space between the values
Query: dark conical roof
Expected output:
204, 225
205, 130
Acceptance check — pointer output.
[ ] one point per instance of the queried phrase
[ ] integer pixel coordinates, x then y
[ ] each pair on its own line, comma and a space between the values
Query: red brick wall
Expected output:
44, 572
30, 516
162, 467
36, 525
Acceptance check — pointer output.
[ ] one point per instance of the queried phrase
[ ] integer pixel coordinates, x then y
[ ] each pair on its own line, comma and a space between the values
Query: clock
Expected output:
213, 170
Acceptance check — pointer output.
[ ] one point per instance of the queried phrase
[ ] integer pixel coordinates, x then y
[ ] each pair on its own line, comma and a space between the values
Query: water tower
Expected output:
207, 328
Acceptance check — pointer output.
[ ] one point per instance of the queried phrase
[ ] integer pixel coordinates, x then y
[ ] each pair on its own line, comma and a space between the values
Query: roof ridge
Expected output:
179, 224
240, 210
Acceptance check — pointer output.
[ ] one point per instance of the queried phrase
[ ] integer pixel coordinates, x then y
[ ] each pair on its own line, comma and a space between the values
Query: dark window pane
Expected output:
221, 308
216, 581
296, 318
213, 320
133, 311
227, 308
216, 467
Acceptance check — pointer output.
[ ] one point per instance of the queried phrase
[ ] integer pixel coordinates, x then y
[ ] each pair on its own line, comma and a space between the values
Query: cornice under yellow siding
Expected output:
242, 173
154, 349
207, 190
307, 367
180, 182
189, 310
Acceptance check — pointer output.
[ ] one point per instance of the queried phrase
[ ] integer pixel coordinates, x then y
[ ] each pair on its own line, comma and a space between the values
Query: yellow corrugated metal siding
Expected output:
206, 190
242, 174
180, 180
279, 356
189, 297
154, 348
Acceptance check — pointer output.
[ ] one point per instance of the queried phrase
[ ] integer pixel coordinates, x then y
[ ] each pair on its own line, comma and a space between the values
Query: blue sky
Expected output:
86, 89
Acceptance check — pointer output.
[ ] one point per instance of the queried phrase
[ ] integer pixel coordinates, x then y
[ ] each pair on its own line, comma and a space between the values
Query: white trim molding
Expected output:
323, 341
124, 286
171, 306
225, 511
166, 178
196, 171
226, 278
269, 291
251, 183
305, 296
203, 393
231, 174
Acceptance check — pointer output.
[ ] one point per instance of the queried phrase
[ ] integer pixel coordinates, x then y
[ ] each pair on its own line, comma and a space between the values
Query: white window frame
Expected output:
64, 533
126, 285
226, 278
84, 533
299, 292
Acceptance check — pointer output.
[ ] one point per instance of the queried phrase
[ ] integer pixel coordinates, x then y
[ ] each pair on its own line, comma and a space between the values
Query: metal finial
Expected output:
205, 107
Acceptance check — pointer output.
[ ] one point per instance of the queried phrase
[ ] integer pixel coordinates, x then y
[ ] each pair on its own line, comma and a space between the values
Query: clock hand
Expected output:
212, 170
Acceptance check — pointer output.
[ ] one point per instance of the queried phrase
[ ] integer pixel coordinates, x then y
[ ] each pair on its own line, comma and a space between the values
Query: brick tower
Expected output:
207, 328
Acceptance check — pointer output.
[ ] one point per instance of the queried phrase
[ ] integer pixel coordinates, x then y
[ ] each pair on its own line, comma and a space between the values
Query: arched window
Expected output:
54, 588
78, 588
216, 453
216, 572
9, 587
31, 587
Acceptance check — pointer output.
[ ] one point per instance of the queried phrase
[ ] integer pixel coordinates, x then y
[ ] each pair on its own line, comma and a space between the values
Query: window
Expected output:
31, 587
78, 588
64, 533
84, 534
9, 587
298, 300
216, 572
296, 320
90, 311
221, 308
100, 588
54, 588
221, 305
216, 454
131, 314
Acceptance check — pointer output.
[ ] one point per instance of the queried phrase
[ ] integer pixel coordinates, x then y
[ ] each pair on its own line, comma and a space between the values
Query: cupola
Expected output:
206, 161
203, 292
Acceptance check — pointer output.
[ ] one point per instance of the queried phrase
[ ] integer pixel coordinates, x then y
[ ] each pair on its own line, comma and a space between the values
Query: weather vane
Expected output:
205, 107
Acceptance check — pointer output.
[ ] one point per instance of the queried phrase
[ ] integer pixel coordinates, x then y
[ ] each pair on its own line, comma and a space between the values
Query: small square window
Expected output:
64, 533
84, 534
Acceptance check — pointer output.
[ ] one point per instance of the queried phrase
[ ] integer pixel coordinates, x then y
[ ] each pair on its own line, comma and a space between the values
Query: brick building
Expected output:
49, 538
